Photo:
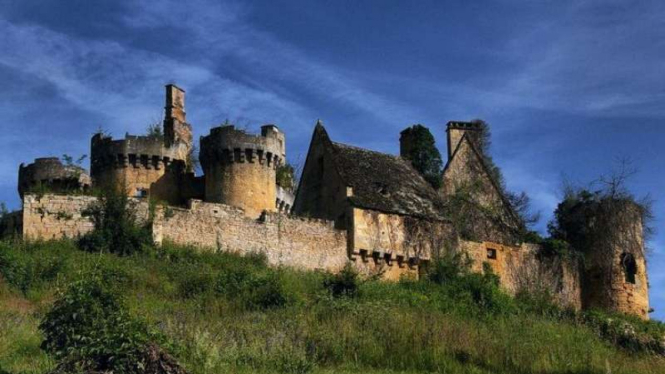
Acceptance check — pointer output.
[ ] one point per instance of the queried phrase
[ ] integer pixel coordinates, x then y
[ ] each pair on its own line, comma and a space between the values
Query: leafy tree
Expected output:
423, 154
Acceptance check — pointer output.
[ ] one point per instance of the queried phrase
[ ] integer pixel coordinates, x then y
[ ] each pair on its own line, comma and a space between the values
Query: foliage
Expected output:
88, 328
462, 324
464, 204
424, 155
69, 160
448, 267
155, 131
608, 206
285, 176
116, 227
345, 283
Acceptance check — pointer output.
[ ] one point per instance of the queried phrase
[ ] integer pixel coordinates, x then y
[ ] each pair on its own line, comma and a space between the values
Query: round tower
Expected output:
147, 165
48, 174
240, 168
615, 264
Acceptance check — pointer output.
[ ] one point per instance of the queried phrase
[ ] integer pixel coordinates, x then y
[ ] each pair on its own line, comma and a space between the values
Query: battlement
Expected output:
49, 172
226, 144
463, 125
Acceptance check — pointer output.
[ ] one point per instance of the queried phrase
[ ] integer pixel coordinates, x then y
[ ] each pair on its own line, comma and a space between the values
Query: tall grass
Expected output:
226, 313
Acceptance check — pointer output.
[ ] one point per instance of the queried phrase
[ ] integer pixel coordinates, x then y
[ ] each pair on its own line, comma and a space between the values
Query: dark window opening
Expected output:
629, 267
491, 253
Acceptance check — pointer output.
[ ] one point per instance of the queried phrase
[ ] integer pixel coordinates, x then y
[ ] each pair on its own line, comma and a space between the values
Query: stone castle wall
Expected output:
526, 268
285, 240
55, 216
51, 216
392, 244
378, 243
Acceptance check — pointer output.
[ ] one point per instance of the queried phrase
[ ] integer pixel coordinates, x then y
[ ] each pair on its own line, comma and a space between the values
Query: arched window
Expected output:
629, 267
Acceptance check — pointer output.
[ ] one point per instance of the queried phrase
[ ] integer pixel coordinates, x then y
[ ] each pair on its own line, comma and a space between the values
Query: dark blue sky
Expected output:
568, 87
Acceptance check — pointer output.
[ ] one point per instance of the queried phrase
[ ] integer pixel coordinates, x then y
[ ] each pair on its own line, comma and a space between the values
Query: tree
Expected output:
423, 154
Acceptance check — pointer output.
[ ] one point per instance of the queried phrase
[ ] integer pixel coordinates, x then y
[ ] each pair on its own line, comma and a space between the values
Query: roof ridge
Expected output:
366, 150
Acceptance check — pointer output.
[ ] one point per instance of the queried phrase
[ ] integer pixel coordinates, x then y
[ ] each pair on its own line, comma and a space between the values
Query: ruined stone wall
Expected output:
392, 244
525, 268
296, 242
61, 216
617, 239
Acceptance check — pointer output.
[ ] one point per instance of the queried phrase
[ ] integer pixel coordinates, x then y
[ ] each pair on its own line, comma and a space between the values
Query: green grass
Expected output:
229, 314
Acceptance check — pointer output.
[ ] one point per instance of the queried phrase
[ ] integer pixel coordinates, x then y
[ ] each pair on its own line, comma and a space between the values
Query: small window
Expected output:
141, 192
491, 253
629, 267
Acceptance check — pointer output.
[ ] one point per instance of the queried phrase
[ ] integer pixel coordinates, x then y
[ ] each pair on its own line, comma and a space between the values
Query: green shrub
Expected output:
344, 283
448, 267
89, 328
265, 292
116, 228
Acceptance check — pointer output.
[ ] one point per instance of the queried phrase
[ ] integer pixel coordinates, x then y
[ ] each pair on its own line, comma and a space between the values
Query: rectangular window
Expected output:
491, 253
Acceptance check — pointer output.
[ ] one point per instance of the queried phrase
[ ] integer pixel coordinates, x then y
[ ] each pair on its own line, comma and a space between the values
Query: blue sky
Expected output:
567, 86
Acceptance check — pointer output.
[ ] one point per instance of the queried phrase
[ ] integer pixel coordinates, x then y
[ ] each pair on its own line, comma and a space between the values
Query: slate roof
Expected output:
385, 183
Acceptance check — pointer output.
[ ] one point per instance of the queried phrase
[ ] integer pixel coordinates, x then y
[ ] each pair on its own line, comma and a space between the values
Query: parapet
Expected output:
51, 174
226, 144
463, 125
140, 151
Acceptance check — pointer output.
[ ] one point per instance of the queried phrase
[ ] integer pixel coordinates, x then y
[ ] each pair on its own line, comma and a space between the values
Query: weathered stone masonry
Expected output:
353, 205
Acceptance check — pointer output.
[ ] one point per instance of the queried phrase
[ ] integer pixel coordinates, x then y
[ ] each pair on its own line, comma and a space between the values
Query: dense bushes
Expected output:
88, 328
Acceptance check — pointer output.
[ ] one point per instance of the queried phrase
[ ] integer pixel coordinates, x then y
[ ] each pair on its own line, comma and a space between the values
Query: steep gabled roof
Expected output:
466, 139
385, 183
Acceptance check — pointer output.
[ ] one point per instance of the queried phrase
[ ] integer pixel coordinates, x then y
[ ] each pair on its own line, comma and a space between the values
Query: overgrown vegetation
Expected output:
88, 328
423, 154
225, 313
116, 226
477, 210
285, 176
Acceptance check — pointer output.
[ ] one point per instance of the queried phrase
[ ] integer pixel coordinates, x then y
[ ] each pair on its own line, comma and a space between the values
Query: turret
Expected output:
49, 174
147, 165
615, 276
240, 168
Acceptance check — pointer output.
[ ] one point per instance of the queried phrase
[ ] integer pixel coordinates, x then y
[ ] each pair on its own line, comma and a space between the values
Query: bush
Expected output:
448, 267
265, 292
89, 328
344, 283
116, 228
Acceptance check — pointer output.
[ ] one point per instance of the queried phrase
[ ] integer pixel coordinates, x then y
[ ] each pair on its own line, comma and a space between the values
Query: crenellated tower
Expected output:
240, 168
155, 165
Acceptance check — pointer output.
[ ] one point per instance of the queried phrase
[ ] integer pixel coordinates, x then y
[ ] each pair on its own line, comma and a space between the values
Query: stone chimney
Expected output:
456, 130
406, 140
175, 103
176, 129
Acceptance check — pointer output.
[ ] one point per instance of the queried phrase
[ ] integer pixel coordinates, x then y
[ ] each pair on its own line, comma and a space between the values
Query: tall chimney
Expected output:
455, 131
175, 103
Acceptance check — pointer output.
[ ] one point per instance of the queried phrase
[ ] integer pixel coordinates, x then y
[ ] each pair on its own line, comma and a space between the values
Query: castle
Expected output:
352, 205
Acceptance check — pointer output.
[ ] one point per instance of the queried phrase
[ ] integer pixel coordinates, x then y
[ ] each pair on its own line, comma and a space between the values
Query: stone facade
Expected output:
240, 168
285, 240
50, 174
352, 205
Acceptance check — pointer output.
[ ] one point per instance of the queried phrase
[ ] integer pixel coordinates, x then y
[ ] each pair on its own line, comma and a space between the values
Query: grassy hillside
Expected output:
223, 313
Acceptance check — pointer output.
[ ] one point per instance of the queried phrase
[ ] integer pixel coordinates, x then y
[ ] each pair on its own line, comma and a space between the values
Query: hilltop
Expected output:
219, 312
